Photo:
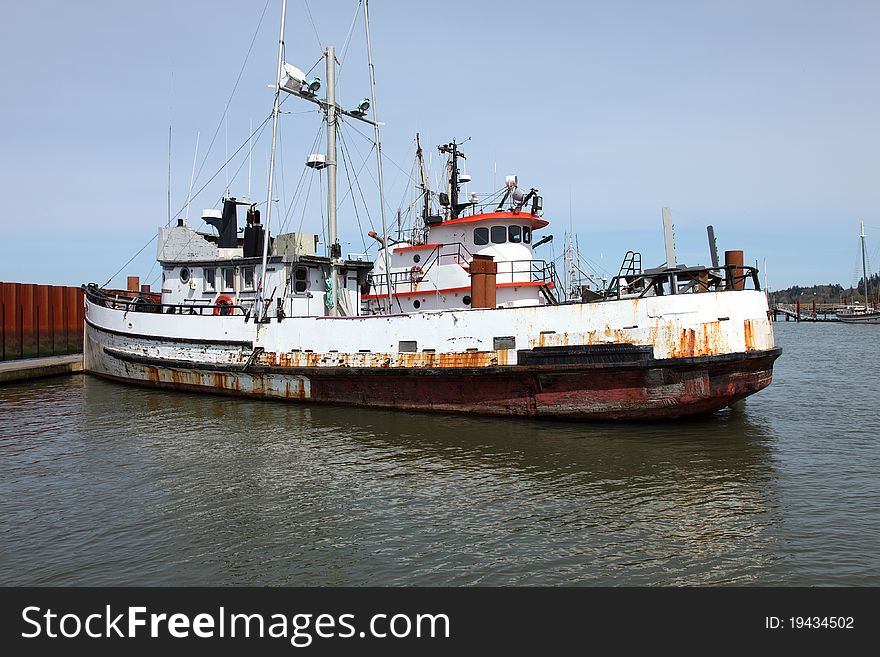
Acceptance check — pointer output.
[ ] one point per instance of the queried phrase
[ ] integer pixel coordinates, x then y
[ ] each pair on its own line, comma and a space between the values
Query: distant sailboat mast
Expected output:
864, 265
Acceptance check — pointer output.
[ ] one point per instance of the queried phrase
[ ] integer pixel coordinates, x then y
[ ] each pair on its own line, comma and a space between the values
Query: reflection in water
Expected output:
123, 485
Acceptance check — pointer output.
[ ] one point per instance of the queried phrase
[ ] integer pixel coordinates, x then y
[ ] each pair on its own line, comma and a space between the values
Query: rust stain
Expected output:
400, 360
749, 335
153, 373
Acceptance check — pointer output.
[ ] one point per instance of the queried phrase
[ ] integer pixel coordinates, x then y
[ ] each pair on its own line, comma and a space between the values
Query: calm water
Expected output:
106, 484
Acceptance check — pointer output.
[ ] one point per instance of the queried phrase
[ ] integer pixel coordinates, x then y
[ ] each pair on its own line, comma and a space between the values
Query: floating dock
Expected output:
37, 368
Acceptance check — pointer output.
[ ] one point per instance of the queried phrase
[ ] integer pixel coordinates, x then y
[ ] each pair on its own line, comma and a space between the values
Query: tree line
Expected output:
832, 293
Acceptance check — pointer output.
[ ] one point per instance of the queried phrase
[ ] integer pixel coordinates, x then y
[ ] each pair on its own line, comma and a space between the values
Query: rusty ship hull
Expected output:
665, 389
670, 369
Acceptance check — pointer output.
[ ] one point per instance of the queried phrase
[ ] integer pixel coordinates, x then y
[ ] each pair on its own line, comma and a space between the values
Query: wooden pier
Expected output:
815, 312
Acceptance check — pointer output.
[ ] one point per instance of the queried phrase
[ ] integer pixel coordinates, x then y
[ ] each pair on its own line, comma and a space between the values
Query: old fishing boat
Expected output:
456, 316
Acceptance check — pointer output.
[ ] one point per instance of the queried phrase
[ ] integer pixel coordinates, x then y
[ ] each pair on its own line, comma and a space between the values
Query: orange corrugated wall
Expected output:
40, 320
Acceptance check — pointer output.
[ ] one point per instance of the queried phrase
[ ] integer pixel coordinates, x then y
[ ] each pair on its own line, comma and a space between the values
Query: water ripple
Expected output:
107, 484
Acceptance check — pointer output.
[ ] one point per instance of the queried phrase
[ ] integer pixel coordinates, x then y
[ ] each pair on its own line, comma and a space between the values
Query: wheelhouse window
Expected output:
210, 279
300, 280
229, 279
247, 279
514, 234
527, 235
499, 234
481, 236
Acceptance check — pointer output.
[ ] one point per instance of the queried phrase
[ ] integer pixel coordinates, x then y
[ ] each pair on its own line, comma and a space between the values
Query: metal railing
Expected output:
407, 280
137, 303
508, 271
525, 271
689, 280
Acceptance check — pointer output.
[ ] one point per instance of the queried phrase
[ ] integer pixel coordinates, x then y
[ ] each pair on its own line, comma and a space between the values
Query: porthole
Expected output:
416, 257
417, 304
184, 275
467, 300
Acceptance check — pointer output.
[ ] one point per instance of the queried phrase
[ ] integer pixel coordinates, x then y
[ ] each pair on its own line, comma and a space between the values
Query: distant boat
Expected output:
857, 314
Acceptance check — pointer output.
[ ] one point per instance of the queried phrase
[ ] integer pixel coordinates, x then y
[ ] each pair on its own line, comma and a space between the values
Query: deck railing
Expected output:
684, 280
133, 302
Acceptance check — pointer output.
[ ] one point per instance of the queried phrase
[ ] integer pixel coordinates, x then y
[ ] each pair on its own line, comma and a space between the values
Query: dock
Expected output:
36, 368
813, 313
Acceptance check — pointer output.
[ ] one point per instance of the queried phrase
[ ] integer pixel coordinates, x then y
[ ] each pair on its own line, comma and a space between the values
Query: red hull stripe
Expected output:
537, 222
417, 247
424, 293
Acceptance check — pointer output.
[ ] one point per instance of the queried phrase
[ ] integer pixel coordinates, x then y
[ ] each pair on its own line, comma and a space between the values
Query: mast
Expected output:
334, 250
275, 112
378, 148
864, 265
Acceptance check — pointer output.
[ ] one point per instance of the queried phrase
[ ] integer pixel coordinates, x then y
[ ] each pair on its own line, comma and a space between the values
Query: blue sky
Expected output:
757, 117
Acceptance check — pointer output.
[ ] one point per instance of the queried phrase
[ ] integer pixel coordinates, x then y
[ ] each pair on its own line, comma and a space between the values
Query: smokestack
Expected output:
226, 225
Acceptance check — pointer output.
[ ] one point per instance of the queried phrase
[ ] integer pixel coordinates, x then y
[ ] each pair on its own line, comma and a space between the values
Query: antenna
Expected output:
192, 176
169, 175
226, 162
250, 152
170, 122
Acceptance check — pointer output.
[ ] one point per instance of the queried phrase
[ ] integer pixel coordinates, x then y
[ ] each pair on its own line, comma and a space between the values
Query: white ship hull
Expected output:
630, 358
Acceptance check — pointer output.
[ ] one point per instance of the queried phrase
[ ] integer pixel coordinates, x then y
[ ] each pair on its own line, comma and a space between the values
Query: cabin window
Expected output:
481, 236
184, 275
300, 280
228, 279
514, 234
247, 278
527, 235
499, 234
210, 279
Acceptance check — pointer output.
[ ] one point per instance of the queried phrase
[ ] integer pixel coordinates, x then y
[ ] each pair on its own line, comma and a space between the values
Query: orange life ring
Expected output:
415, 274
223, 305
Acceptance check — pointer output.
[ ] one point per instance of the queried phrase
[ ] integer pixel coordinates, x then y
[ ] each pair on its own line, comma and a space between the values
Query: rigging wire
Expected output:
232, 94
373, 143
347, 166
347, 43
201, 189
259, 134
314, 27
129, 261
292, 203
364, 163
